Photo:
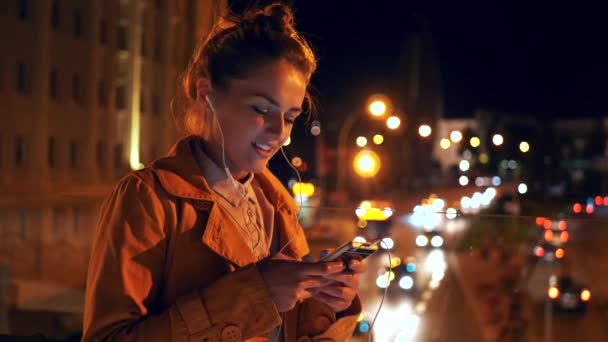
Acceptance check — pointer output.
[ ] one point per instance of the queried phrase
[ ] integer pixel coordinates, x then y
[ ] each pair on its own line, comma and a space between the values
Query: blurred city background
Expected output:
471, 139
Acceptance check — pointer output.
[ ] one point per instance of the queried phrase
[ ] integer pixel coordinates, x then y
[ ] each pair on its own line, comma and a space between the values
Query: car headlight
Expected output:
437, 241
360, 212
382, 281
422, 241
406, 282
387, 212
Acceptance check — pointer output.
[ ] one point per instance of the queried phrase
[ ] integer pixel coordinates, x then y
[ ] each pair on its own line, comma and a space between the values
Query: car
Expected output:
566, 294
553, 231
374, 218
584, 206
429, 239
547, 251
399, 276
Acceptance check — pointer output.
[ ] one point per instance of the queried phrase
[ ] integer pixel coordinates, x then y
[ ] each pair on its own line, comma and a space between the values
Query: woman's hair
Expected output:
236, 45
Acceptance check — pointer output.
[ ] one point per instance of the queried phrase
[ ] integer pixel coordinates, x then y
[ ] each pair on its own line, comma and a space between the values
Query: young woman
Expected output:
204, 244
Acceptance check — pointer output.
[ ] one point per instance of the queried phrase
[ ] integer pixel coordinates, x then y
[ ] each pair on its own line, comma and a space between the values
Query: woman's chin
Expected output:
258, 167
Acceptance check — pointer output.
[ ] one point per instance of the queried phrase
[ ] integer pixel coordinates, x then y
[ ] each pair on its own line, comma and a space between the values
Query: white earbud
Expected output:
226, 169
209, 102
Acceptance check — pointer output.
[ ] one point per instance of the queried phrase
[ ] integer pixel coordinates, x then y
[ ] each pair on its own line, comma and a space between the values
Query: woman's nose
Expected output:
276, 125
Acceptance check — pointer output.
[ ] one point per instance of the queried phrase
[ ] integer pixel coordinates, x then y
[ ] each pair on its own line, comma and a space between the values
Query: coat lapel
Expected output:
179, 175
222, 235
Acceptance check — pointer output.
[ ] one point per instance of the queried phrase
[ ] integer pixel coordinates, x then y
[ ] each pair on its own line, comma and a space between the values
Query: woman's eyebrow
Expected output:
270, 99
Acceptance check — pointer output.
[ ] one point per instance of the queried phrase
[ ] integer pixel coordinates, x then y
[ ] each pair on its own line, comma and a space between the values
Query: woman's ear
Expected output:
203, 88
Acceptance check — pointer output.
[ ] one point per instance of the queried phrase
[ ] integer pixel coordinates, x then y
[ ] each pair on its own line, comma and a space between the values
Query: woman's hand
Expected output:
343, 286
290, 281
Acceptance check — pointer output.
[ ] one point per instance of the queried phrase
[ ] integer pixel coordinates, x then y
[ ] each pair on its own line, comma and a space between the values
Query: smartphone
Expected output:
352, 250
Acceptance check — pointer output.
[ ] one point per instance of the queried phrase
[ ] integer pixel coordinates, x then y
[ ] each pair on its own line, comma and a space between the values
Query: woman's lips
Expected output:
263, 150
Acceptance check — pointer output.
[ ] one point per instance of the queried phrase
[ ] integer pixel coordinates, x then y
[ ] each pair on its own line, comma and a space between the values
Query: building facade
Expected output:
85, 91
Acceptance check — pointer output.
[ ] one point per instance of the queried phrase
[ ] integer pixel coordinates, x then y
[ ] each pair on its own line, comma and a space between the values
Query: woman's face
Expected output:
256, 114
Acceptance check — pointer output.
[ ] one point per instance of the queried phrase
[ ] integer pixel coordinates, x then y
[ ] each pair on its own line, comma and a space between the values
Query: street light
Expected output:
445, 143
296, 161
361, 141
456, 136
497, 139
475, 142
464, 165
393, 122
424, 130
524, 147
378, 139
377, 108
366, 163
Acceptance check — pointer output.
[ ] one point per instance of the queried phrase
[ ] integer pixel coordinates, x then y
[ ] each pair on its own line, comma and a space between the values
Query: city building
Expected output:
85, 88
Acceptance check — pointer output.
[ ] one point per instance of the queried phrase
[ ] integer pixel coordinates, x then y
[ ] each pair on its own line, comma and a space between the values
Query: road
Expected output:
447, 307
587, 260
438, 312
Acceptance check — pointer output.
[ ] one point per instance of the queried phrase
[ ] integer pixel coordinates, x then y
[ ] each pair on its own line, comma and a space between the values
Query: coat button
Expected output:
231, 333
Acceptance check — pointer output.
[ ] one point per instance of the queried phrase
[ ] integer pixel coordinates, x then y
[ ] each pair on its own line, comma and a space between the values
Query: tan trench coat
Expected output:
167, 264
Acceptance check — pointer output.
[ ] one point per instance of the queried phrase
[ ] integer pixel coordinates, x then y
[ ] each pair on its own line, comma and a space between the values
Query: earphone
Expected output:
226, 169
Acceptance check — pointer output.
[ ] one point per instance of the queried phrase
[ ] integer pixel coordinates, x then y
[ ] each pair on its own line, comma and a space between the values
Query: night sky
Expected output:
542, 60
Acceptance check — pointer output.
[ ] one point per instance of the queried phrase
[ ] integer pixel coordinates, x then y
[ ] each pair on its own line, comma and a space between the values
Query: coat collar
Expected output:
180, 175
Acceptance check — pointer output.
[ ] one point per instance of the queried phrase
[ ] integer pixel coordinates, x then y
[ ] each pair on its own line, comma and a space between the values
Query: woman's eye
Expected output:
259, 110
289, 121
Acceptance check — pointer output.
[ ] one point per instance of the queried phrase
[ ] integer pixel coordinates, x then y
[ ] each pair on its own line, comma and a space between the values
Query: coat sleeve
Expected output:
124, 292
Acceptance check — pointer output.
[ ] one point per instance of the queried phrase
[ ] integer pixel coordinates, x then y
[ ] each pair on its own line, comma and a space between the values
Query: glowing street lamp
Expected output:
464, 165
475, 142
455, 136
393, 122
366, 164
361, 141
524, 146
377, 108
424, 130
445, 143
378, 139
497, 139
296, 161
522, 188
378, 105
